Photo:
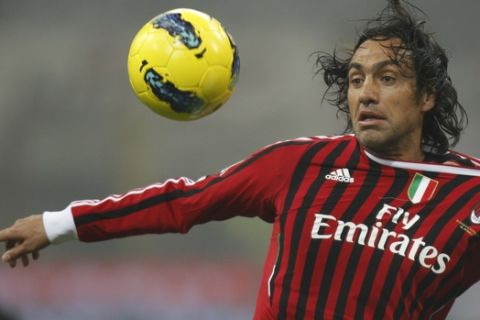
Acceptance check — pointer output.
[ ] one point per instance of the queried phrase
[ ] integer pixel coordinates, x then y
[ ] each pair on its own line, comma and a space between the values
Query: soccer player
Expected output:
383, 223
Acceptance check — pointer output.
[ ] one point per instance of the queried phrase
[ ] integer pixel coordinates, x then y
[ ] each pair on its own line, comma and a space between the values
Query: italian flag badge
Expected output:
421, 188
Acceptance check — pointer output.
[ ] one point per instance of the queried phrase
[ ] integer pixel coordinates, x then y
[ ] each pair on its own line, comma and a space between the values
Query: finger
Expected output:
12, 263
14, 253
9, 234
24, 260
9, 245
5, 234
35, 255
6, 257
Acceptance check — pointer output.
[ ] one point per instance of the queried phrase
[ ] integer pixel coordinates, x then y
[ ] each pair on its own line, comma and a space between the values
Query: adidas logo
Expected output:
340, 175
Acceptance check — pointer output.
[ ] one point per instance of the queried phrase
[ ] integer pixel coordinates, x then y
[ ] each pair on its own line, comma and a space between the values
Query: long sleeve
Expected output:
248, 188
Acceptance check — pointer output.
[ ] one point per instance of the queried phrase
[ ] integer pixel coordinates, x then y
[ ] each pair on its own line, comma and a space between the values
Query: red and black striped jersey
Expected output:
354, 236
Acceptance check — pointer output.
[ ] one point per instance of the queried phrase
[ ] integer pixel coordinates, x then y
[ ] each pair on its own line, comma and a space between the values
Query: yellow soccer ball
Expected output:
183, 65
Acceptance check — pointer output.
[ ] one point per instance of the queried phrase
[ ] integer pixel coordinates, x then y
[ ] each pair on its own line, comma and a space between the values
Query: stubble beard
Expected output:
383, 142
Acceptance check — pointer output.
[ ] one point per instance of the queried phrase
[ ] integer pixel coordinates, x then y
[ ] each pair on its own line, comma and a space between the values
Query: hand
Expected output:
26, 236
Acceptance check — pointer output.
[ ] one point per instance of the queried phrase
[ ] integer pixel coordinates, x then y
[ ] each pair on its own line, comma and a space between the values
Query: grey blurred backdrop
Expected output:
71, 128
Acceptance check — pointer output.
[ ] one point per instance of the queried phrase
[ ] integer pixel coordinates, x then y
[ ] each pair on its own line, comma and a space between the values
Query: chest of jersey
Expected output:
425, 220
381, 235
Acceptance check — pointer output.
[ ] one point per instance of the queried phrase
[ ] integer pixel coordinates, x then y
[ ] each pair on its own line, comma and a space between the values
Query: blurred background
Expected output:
71, 128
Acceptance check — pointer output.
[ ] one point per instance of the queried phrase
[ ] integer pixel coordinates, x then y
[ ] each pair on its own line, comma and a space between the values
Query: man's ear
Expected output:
428, 100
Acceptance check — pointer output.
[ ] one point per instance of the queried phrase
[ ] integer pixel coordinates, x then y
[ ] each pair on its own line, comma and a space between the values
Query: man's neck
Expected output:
410, 155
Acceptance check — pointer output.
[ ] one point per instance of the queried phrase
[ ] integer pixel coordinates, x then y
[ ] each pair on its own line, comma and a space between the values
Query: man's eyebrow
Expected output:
377, 66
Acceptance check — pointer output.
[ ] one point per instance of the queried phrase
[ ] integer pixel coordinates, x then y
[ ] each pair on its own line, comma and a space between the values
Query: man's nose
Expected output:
369, 93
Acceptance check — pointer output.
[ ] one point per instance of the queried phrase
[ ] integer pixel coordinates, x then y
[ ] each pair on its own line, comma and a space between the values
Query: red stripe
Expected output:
367, 252
288, 229
431, 187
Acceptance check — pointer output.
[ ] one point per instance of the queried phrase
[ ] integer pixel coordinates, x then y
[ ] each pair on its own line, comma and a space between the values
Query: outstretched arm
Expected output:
248, 188
26, 236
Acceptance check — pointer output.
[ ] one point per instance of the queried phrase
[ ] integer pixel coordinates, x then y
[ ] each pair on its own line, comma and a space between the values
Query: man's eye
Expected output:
388, 79
356, 81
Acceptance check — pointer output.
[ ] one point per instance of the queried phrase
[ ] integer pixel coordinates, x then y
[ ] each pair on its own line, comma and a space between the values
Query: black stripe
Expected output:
298, 228
297, 179
436, 302
390, 280
312, 252
176, 194
396, 188
460, 287
395, 264
409, 280
372, 268
336, 248
449, 246
455, 290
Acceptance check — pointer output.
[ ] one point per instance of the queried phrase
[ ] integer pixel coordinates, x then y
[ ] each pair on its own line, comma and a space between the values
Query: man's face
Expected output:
385, 110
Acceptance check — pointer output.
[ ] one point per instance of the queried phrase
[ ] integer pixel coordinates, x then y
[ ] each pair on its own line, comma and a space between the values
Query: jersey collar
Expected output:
419, 166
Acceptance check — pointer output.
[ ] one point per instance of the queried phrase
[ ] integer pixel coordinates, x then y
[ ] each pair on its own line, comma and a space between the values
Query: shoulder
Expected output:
456, 159
466, 160
318, 139
304, 143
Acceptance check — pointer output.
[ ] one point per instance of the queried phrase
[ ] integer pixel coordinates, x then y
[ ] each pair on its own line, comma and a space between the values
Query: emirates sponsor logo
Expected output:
340, 175
376, 236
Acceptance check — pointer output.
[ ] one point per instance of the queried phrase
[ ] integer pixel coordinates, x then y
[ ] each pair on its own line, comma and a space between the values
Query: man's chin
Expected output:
373, 140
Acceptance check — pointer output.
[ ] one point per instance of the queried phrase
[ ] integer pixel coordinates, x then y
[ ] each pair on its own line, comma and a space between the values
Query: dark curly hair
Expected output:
444, 123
